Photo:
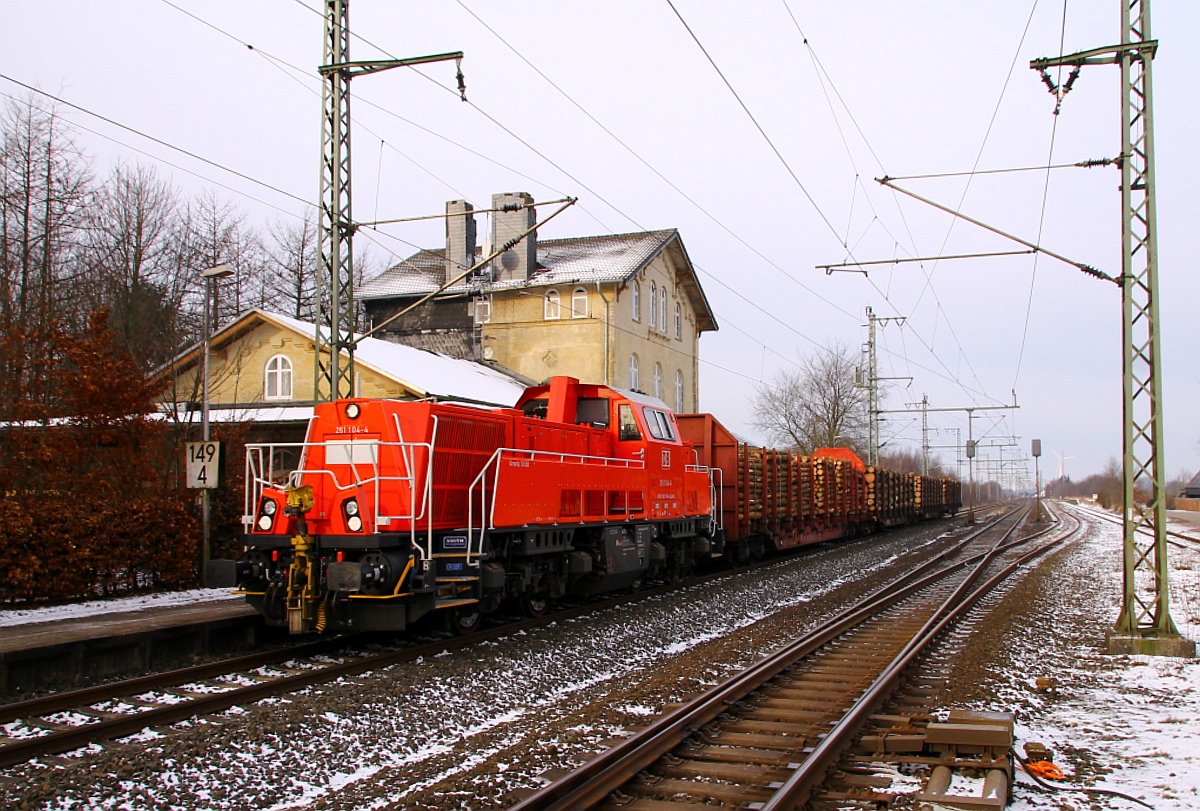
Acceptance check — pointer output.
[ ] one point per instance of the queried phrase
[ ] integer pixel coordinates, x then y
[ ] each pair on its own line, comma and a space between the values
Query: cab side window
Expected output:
659, 424
628, 424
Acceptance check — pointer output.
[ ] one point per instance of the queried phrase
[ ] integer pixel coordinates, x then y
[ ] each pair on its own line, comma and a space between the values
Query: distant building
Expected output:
1192, 488
625, 310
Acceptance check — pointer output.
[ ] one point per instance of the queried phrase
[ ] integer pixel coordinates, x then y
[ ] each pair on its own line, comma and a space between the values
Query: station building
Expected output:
625, 310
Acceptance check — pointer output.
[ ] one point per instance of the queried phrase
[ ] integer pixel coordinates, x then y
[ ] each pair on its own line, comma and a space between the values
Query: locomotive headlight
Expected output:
352, 411
354, 521
264, 522
269, 507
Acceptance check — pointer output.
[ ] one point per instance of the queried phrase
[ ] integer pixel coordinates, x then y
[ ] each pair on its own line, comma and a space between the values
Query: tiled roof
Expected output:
576, 260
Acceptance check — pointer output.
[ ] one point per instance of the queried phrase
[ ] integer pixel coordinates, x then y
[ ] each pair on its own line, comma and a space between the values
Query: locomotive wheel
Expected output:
535, 605
466, 619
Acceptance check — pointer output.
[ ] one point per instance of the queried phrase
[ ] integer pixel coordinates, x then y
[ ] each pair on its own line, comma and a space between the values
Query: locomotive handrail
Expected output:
716, 495
489, 522
260, 474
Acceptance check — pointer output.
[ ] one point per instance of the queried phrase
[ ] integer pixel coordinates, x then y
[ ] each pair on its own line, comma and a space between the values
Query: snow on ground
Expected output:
117, 605
1126, 723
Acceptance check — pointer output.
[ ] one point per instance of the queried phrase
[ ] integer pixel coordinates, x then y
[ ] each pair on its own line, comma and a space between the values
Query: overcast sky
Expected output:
615, 103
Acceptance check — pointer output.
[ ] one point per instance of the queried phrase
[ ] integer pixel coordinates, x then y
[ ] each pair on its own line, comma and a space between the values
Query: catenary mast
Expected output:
335, 339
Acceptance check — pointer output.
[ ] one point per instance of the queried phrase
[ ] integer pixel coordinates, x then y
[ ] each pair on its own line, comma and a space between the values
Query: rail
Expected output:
620, 768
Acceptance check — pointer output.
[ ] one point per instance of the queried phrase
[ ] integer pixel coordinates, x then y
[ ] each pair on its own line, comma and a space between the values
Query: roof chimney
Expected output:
513, 215
460, 238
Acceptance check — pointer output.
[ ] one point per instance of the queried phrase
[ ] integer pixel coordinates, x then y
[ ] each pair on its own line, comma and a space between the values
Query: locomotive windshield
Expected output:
592, 411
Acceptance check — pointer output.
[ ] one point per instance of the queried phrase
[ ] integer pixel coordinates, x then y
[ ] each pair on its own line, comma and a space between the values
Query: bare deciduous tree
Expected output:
817, 405
291, 272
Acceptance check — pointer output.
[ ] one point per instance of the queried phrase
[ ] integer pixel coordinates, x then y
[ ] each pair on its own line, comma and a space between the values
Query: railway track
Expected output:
67, 721
767, 737
1188, 541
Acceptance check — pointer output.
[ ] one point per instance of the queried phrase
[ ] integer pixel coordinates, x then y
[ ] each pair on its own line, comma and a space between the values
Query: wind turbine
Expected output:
1061, 460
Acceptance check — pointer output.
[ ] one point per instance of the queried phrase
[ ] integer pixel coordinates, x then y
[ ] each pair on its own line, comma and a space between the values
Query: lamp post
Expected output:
210, 292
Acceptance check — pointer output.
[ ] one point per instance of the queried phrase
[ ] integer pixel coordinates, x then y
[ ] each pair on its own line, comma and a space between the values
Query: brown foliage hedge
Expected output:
92, 502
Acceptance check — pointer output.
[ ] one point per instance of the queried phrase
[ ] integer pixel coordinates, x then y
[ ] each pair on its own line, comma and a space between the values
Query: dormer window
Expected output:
278, 379
553, 308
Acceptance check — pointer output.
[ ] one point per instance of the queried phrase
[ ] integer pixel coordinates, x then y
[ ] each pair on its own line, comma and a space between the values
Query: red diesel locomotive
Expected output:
400, 508
396, 509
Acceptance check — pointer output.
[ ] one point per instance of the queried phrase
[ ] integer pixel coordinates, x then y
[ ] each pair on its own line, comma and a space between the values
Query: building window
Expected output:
637, 302
633, 372
552, 308
658, 380
662, 308
278, 379
678, 391
678, 322
579, 303
653, 305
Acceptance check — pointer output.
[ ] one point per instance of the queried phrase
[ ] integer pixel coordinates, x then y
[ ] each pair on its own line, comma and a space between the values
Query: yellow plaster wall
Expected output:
522, 339
654, 345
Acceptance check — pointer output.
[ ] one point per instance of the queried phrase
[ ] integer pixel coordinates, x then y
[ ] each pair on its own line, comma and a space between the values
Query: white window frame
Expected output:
678, 322
653, 305
662, 309
278, 372
658, 380
678, 391
634, 377
636, 303
579, 296
552, 306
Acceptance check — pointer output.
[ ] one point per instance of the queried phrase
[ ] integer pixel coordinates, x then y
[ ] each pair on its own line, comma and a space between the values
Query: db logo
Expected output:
666, 459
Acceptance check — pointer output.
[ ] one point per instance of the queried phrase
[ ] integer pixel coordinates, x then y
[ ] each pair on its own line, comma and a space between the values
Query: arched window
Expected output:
678, 322
278, 379
678, 391
662, 308
658, 380
579, 303
552, 308
633, 372
637, 302
653, 307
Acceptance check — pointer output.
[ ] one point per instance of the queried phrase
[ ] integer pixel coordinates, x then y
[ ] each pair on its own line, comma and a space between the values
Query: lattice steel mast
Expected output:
334, 366
1144, 625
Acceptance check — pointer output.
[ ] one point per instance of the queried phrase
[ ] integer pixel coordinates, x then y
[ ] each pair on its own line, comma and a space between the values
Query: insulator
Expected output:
1071, 80
1049, 82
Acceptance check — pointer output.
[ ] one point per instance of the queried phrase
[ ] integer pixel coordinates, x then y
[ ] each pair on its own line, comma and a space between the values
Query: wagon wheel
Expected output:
465, 619
535, 605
